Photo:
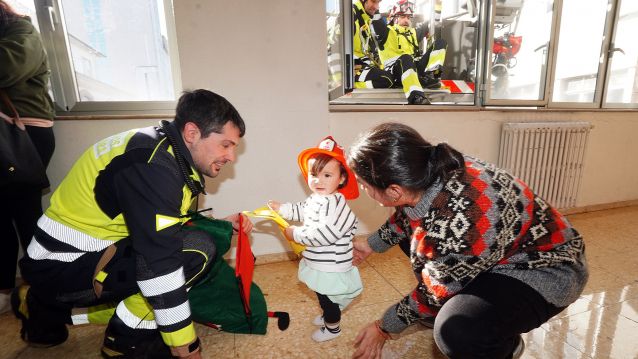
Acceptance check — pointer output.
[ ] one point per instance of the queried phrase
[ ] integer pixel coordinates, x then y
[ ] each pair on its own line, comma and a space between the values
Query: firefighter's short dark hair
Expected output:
208, 110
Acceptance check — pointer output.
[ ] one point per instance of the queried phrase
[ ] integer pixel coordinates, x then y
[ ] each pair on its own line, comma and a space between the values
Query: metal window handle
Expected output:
611, 51
52, 17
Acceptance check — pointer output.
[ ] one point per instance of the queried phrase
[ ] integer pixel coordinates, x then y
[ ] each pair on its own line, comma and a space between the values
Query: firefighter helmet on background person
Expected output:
402, 7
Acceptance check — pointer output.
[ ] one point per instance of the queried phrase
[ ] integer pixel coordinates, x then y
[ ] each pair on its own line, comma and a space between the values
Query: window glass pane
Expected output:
622, 86
25, 7
421, 48
519, 52
579, 50
333, 26
119, 50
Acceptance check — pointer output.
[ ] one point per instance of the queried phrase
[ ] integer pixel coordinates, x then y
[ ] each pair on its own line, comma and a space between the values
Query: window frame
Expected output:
53, 30
609, 53
483, 72
486, 100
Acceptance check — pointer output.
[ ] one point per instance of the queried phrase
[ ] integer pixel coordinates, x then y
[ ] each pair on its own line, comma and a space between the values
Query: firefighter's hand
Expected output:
195, 355
247, 225
184, 351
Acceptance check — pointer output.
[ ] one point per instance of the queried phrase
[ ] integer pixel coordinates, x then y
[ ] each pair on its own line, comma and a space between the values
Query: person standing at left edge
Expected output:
113, 234
24, 78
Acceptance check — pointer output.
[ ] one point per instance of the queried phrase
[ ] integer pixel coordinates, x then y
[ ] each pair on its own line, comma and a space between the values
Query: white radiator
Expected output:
548, 156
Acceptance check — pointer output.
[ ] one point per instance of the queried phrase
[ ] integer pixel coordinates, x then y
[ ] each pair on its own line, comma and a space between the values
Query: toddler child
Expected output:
327, 232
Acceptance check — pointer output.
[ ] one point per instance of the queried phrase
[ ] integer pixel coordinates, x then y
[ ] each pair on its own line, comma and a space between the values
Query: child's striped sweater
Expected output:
328, 228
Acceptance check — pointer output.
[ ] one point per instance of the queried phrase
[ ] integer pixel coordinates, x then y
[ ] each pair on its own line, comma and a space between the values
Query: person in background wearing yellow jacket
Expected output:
398, 47
368, 71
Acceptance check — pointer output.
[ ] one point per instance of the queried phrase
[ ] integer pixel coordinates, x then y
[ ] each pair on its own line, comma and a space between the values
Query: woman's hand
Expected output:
274, 205
369, 342
247, 225
361, 250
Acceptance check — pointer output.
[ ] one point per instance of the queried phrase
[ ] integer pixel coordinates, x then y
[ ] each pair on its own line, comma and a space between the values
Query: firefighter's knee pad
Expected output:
199, 241
199, 251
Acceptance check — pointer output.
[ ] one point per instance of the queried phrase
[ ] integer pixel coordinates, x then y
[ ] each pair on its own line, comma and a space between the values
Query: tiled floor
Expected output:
603, 323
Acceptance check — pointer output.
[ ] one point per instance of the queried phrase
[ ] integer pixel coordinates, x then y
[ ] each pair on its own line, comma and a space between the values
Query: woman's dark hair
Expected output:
321, 160
393, 153
7, 16
208, 110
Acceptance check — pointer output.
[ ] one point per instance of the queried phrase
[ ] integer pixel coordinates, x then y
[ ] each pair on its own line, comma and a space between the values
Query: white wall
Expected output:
268, 59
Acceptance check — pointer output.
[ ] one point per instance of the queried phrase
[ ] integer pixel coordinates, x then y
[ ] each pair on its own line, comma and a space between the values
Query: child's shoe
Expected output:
324, 334
122, 342
318, 321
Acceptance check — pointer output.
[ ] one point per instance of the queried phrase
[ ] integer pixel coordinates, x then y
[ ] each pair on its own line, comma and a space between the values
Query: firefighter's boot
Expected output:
120, 341
41, 326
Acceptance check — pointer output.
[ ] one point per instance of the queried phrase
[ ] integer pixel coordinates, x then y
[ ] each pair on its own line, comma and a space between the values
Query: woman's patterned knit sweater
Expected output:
481, 220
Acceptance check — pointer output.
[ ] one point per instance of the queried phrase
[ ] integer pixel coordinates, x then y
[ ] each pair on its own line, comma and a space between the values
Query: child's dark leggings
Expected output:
331, 311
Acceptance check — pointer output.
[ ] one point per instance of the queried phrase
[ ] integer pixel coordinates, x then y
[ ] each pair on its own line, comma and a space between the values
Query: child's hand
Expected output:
288, 232
274, 205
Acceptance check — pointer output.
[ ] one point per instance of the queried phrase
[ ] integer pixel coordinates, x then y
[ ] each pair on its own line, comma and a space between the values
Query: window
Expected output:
453, 21
622, 78
519, 49
578, 67
532, 53
112, 56
334, 47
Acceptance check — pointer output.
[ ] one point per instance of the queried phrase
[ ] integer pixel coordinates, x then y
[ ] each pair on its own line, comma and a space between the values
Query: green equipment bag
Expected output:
215, 300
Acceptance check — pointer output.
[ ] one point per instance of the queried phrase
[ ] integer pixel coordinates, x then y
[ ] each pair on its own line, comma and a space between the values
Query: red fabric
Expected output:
244, 267
451, 85
507, 44
458, 86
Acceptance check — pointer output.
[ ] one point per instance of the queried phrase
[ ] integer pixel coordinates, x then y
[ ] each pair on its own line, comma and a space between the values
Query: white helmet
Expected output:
402, 7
